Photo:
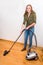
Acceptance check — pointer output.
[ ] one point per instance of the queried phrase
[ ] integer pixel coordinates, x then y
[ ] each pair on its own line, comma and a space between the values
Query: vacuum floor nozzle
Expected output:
5, 52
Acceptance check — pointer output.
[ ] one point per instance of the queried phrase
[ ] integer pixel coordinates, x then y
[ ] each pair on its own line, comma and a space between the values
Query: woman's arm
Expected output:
30, 25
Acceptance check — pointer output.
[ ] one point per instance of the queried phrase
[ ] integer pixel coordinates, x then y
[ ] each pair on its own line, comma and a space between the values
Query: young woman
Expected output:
29, 21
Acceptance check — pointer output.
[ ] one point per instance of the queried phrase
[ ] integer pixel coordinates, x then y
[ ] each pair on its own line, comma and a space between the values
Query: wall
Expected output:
11, 15
11, 18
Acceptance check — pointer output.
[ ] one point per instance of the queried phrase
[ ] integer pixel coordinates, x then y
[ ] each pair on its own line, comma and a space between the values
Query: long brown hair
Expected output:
26, 13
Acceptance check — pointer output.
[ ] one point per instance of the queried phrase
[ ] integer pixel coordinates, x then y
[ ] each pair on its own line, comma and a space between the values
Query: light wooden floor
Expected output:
16, 57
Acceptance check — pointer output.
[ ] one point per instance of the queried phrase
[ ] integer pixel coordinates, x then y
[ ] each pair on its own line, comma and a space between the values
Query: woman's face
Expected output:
28, 9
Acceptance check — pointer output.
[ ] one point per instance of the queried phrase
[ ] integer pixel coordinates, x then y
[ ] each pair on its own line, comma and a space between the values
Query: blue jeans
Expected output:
30, 34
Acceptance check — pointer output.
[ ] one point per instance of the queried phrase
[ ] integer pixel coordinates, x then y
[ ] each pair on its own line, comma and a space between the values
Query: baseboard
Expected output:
18, 42
10, 41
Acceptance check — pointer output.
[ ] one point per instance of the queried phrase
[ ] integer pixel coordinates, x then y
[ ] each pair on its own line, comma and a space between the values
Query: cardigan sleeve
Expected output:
25, 19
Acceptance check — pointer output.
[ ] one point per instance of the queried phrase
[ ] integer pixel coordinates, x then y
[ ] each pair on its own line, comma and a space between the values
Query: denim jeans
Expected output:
30, 34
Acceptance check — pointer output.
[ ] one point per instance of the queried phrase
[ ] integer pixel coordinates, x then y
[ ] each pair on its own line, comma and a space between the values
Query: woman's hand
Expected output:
22, 28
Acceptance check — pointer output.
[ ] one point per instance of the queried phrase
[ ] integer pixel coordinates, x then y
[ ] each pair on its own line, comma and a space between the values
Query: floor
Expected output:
16, 56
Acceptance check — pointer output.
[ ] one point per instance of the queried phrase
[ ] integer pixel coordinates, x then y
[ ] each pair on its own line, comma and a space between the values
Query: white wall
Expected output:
11, 18
11, 15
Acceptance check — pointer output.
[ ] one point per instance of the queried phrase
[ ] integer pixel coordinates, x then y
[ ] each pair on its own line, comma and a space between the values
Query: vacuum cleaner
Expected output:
30, 55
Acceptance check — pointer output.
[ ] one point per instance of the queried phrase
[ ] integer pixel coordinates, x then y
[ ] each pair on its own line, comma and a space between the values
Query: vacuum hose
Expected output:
6, 52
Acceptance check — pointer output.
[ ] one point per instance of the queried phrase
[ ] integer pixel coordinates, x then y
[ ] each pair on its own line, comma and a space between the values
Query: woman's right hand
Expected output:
22, 28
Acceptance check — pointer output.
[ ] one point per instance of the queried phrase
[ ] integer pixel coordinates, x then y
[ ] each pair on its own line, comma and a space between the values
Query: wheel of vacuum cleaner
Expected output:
32, 56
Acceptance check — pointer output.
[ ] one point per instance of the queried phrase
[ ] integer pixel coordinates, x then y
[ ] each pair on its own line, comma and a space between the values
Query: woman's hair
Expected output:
26, 13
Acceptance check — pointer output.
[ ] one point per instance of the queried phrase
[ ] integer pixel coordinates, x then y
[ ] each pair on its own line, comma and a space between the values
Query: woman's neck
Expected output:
29, 14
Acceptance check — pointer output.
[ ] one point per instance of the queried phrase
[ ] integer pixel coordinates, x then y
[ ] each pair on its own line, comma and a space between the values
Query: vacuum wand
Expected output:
6, 52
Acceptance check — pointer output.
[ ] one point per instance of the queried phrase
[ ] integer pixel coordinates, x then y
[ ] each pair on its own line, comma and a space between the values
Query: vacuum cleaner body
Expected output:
32, 56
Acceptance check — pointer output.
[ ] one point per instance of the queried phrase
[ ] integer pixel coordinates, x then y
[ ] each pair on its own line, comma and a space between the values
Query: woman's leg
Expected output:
31, 36
25, 39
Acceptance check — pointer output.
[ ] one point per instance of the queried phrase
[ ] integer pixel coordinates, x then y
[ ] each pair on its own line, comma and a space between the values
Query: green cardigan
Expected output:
29, 20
